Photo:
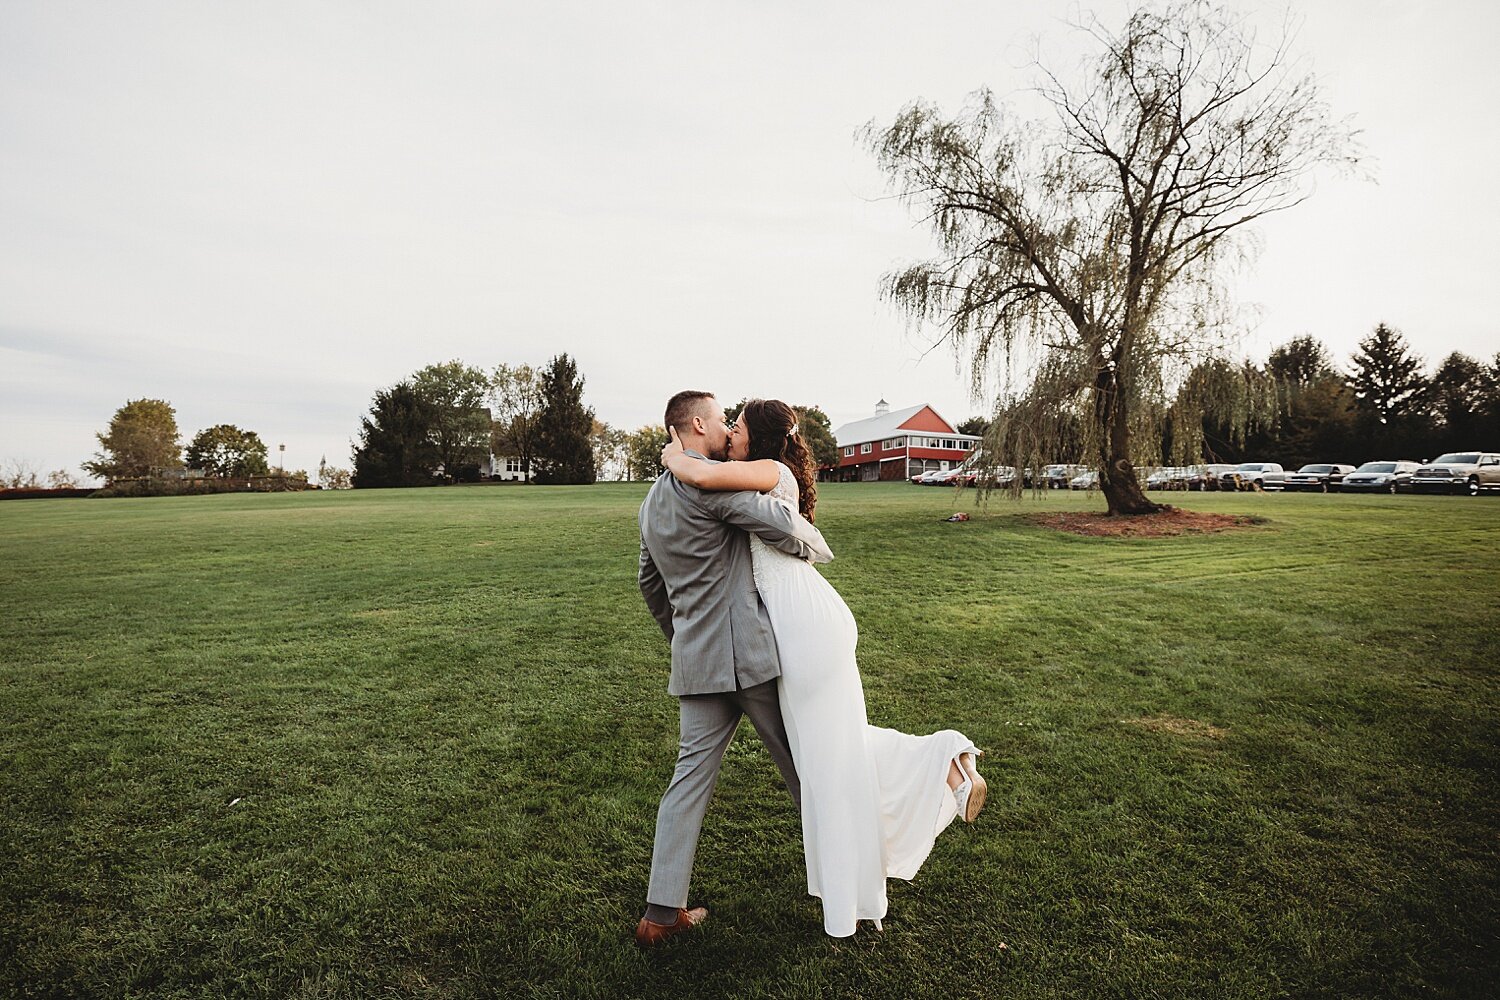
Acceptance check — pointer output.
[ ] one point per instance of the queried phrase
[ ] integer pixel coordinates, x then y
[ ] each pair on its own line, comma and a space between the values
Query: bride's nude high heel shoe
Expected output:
970, 794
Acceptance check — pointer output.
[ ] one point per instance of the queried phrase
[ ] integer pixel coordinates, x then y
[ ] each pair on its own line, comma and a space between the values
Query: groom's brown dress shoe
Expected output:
649, 933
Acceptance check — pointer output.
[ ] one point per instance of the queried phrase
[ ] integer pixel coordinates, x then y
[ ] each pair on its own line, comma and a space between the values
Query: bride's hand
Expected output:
674, 446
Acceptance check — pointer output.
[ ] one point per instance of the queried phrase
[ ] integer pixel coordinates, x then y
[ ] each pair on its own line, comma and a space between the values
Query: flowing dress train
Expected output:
873, 799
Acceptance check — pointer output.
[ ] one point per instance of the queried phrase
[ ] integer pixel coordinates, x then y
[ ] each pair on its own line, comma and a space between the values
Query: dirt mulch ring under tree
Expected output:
1166, 523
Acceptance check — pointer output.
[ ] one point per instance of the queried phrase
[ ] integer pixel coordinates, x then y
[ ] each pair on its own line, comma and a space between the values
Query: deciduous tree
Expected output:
460, 427
817, 432
609, 444
331, 477
19, 474
226, 451
515, 407
1086, 251
142, 440
643, 451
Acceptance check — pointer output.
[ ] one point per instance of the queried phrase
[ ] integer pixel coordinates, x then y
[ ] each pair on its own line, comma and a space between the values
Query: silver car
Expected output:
1379, 477
1087, 481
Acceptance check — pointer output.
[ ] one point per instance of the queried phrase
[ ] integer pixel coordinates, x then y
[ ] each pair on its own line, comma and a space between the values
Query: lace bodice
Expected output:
785, 488
770, 564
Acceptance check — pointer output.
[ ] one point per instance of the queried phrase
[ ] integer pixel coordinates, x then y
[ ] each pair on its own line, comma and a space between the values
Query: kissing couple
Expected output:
726, 568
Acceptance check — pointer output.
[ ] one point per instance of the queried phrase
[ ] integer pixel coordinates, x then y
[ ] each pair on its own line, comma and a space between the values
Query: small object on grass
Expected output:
235, 800
960, 516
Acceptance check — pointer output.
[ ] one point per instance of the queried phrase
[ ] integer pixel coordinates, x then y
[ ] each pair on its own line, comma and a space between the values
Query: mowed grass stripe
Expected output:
1253, 764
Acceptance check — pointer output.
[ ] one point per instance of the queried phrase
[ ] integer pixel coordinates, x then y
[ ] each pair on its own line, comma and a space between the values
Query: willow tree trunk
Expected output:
1122, 490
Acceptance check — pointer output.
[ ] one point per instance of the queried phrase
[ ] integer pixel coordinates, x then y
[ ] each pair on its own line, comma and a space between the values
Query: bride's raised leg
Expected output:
970, 788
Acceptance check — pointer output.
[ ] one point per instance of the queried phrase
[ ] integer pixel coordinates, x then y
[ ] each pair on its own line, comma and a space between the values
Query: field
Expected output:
410, 743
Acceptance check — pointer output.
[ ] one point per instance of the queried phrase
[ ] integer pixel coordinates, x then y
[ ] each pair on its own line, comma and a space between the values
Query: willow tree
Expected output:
1083, 251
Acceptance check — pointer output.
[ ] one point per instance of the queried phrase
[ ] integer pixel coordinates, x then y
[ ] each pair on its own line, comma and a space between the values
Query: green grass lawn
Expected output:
410, 743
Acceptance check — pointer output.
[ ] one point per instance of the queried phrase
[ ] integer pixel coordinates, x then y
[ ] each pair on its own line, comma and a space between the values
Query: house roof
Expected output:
884, 425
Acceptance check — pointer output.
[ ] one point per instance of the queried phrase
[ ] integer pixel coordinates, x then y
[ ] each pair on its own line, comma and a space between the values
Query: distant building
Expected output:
897, 444
503, 467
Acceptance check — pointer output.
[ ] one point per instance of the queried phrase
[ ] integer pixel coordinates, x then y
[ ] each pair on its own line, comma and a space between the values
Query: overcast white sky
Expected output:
263, 212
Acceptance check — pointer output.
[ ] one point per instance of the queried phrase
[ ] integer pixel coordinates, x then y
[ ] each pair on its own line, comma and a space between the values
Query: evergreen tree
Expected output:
1315, 417
395, 440
1457, 398
1319, 425
1390, 393
565, 454
1387, 378
1301, 361
1489, 407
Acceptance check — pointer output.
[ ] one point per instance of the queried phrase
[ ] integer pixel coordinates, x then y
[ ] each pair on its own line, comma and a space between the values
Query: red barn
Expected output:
898, 444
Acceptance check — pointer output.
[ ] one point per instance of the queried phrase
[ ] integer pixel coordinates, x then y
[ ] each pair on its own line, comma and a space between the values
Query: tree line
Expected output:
143, 446
1301, 407
1382, 405
445, 421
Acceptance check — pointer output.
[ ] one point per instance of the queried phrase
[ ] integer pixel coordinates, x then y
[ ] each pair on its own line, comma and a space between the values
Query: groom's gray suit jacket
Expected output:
696, 576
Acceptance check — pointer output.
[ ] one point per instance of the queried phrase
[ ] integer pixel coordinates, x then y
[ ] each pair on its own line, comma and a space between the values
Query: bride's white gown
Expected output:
873, 799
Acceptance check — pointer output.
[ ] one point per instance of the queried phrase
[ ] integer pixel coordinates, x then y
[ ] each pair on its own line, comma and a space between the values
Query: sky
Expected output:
264, 212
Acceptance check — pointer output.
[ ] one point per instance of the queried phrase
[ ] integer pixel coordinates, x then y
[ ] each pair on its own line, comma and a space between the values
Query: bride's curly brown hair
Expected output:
771, 423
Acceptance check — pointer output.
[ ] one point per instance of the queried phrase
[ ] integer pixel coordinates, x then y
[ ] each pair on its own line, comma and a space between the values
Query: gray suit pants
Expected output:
707, 723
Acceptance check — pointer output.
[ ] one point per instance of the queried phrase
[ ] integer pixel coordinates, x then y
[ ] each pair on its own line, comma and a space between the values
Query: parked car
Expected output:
1057, 477
1086, 481
1002, 478
1206, 477
1459, 472
1168, 478
1249, 475
1184, 477
1379, 477
1317, 478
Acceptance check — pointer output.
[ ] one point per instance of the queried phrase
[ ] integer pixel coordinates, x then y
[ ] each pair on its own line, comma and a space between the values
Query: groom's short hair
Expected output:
683, 407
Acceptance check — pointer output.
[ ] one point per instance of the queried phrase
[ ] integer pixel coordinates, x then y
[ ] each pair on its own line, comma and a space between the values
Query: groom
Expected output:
695, 574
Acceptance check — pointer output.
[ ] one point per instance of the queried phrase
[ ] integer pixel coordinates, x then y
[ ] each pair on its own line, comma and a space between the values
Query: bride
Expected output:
873, 799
